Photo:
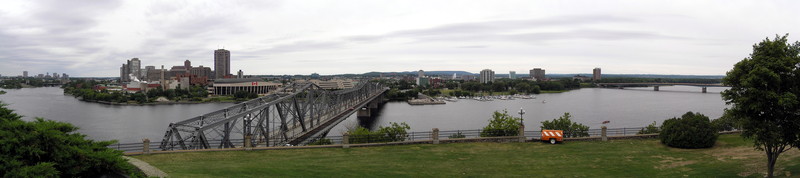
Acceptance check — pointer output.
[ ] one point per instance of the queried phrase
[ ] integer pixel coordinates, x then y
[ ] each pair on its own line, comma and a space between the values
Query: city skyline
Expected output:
88, 39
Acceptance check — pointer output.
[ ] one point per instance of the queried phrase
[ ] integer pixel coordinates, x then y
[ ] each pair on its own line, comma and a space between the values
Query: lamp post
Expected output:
521, 112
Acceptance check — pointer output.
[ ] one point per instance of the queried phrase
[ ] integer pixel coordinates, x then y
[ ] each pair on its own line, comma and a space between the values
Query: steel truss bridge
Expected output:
293, 115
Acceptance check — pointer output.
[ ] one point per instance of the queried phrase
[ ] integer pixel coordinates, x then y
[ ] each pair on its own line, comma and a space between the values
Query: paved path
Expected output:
148, 170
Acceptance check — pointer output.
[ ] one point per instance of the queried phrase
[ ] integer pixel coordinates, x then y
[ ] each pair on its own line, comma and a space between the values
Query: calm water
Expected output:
632, 107
100, 121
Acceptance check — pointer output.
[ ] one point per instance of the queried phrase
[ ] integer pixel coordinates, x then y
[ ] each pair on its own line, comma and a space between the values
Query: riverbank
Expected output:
732, 156
158, 103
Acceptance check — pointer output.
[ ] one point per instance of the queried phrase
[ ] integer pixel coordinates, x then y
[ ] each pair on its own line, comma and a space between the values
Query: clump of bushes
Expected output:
501, 124
321, 141
692, 130
650, 129
571, 129
394, 133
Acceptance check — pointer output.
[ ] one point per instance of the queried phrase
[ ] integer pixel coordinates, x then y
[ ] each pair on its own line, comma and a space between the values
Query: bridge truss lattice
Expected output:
289, 116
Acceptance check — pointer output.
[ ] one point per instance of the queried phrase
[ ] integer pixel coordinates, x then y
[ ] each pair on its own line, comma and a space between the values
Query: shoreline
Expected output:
154, 103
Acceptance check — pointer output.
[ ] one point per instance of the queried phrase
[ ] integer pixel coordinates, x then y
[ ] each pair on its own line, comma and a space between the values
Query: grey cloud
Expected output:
492, 27
300, 46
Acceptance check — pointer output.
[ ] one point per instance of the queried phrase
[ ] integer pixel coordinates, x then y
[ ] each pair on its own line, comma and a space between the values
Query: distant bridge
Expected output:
656, 85
295, 115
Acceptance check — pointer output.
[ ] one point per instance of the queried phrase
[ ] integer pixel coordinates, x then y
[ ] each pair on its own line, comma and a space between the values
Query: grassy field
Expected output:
731, 157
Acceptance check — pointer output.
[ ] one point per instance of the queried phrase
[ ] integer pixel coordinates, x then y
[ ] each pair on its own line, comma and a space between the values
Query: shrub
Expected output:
726, 123
571, 129
501, 124
650, 129
457, 135
393, 133
692, 130
321, 141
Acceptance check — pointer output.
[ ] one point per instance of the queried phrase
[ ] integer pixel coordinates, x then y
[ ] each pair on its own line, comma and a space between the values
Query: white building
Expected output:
487, 75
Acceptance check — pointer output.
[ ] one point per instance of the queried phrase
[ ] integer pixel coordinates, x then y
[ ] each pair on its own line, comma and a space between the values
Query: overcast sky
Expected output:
94, 38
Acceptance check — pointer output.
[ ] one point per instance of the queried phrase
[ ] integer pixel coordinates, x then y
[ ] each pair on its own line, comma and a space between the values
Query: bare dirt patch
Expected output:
671, 162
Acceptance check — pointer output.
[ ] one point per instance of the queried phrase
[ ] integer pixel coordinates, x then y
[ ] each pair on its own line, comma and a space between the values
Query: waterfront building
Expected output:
596, 75
222, 63
240, 74
537, 74
55, 75
487, 75
512, 75
252, 85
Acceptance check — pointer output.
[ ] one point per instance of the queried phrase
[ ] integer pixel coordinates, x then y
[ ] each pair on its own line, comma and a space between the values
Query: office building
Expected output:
596, 75
487, 76
201, 71
537, 73
240, 74
222, 63
512, 75
421, 73
25, 74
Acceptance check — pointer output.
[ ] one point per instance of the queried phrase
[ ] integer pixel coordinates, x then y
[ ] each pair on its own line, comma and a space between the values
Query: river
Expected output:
631, 107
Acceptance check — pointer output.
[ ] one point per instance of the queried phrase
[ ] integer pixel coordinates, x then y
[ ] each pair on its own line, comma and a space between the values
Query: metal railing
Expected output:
410, 136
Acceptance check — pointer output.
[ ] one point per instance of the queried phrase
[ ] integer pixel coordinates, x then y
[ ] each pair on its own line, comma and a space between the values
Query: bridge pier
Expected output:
364, 112
655, 88
705, 89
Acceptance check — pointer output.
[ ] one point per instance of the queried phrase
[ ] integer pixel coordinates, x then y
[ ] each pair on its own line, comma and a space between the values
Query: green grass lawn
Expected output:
731, 157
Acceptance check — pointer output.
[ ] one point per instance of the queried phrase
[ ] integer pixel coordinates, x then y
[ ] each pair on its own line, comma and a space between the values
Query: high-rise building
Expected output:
240, 74
146, 72
55, 75
135, 66
487, 75
25, 74
222, 63
512, 74
596, 75
421, 73
537, 73
65, 76
124, 71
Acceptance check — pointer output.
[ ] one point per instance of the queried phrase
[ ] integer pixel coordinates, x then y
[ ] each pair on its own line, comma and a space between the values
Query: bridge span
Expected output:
655, 86
293, 115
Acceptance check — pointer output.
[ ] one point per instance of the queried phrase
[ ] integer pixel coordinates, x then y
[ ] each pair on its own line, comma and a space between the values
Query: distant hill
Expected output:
640, 76
427, 73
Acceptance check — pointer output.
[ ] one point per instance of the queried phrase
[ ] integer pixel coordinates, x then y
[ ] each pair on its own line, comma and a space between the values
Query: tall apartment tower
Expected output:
487, 75
596, 75
537, 73
25, 74
420, 74
135, 68
222, 63
240, 74
512, 74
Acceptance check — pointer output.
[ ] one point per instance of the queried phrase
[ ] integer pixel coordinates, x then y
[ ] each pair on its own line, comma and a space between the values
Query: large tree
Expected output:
765, 96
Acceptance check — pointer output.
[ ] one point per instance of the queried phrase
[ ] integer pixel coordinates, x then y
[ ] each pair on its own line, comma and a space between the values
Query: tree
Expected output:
501, 124
45, 148
765, 97
692, 130
571, 129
